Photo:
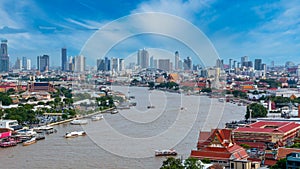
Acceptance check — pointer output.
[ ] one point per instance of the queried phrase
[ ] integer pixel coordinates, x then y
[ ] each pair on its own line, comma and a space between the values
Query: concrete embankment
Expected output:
80, 117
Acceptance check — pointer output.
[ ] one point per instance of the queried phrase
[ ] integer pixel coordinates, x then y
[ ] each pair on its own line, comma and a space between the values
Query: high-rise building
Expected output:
244, 59
176, 61
298, 71
155, 63
230, 66
43, 63
152, 62
257, 64
24, 63
187, 64
28, 64
4, 59
79, 63
180, 65
164, 64
115, 64
122, 64
64, 59
143, 58
18, 64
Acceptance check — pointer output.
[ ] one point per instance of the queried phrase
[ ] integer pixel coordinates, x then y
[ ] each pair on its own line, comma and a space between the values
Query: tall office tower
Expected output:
100, 65
176, 61
28, 64
43, 63
115, 64
79, 64
122, 64
230, 66
143, 58
187, 64
151, 62
257, 64
64, 59
4, 59
24, 63
164, 64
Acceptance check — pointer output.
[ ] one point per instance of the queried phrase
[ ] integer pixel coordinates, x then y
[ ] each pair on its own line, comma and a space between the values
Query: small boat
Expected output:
29, 142
45, 130
170, 152
151, 107
40, 137
75, 134
79, 122
97, 117
114, 112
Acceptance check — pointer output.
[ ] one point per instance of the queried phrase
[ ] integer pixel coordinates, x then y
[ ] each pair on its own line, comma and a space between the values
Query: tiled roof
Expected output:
269, 162
282, 152
279, 127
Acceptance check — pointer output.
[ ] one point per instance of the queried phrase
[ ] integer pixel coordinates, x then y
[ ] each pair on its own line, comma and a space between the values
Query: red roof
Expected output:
282, 152
269, 162
218, 144
269, 126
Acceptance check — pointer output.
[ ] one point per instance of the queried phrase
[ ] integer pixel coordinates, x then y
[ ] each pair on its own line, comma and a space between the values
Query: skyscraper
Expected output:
257, 64
143, 58
64, 60
43, 63
28, 64
176, 60
4, 59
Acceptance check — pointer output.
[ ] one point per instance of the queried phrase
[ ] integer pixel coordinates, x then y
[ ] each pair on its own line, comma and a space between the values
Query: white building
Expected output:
79, 63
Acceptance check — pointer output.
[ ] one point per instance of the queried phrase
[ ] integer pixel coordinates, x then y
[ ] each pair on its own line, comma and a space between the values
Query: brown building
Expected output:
40, 87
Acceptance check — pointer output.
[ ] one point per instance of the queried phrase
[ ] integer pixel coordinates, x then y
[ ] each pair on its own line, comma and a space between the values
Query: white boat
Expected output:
78, 122
114, 112
75, 134
170, 152
97, 117
26, 132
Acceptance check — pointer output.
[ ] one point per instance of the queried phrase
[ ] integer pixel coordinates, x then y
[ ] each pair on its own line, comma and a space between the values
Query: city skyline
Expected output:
270, 28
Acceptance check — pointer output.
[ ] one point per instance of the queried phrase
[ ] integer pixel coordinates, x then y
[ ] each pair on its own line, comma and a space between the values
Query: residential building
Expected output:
79, 65
187, 64
164, 64
293, 161
257, 64
143, 58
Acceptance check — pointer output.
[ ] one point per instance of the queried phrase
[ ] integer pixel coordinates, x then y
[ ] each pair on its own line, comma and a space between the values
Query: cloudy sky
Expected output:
259, 29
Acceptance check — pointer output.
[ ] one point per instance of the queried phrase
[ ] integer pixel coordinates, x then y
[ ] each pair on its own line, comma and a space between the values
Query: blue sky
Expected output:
259, 29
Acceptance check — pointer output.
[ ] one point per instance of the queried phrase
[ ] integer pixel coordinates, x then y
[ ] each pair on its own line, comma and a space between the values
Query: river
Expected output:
128, 139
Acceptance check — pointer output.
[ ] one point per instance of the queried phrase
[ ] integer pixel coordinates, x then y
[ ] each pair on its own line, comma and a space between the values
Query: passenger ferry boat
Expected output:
170, 152
8, 142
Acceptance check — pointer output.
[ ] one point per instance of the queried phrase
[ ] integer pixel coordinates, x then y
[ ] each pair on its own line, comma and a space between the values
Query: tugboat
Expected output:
170, 152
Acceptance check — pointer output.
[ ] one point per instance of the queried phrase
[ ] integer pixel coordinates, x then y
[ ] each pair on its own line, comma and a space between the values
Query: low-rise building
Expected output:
293, 161
280, 133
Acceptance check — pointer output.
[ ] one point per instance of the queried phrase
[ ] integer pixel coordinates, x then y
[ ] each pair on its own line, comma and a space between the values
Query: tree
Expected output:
6, 100
258, 110
279, 164
172, 163
192, 163
206, 90
245, 146
205, 161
